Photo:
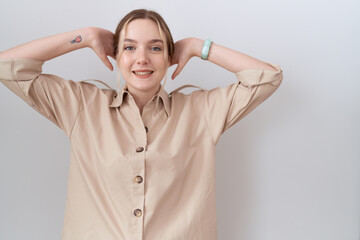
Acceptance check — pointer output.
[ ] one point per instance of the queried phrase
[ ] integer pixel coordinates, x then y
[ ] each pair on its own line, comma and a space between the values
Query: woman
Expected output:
142, 160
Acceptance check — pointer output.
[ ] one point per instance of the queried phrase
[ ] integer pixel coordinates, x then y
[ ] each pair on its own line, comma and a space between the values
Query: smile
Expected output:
143, 73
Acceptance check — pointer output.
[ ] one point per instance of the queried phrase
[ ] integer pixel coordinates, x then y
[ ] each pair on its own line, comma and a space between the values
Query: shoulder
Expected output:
85, 85
92, 92
196, 99
200, 92
188, 95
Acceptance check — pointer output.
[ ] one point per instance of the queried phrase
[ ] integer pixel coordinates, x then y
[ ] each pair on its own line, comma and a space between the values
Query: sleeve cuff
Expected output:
254, 77
20, 69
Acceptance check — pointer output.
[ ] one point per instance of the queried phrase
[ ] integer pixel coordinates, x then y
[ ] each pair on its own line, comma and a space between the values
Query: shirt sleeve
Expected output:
55, 98
226, 106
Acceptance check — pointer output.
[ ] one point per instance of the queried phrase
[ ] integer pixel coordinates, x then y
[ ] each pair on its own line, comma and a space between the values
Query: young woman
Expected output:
142, 160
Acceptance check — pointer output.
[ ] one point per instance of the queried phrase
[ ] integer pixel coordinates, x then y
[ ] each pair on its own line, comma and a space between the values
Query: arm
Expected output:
229, 59
57, 99
225, 106
44, 49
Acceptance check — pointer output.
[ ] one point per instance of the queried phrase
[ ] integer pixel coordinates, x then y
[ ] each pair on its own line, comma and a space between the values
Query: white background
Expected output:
289, 170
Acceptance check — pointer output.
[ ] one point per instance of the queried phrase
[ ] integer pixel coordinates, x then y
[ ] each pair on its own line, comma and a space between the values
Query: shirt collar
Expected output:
118, 97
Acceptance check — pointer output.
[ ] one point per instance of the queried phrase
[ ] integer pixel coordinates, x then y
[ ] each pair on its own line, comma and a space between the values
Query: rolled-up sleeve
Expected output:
226, 106
55, 98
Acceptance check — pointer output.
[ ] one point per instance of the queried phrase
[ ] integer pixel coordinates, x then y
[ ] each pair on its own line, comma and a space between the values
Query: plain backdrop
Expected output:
289, 170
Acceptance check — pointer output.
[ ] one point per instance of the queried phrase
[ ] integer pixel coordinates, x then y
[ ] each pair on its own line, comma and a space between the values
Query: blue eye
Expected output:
129, 48
156, 49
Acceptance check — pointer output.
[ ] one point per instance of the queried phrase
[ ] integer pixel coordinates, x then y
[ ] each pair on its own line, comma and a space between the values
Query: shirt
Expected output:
133, 176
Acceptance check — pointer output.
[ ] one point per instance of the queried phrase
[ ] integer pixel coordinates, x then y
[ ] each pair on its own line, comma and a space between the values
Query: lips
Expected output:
142, 73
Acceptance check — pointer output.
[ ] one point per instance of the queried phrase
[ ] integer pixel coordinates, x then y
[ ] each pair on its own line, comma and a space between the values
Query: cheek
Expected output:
160, 62
124, 63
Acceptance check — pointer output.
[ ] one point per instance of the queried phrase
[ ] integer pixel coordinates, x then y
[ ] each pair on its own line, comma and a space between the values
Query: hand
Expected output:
184, 50
102, 43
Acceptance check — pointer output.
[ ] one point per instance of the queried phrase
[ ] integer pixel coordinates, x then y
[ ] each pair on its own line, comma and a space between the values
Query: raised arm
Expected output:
55, 98
225, 106
229, 59
44, 49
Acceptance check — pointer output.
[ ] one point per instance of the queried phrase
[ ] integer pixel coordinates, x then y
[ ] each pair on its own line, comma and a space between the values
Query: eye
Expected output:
156, 49
129, 48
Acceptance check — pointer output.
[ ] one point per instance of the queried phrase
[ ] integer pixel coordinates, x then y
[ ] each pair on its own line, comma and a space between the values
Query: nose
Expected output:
141, 57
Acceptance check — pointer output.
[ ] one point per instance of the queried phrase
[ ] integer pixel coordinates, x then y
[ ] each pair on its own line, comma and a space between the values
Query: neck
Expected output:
142, 98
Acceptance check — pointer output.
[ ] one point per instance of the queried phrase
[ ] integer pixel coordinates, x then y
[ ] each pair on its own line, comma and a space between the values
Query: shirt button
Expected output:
146, 129
138, 179
138, 213
139, 149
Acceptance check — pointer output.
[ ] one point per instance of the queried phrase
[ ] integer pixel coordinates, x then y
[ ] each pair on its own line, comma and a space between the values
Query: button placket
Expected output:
138, 158
138, 186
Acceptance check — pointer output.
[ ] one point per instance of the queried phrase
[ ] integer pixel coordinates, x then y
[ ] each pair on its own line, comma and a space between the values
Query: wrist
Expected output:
89, 36
196, 45
92, 36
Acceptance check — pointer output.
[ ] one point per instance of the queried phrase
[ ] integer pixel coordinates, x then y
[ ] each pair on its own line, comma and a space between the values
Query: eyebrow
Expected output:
151, 41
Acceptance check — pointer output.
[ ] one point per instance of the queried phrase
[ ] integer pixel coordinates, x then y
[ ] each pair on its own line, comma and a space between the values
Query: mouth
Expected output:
142, 73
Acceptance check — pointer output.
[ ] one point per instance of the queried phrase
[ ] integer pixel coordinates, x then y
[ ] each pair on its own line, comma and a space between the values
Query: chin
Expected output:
145, 87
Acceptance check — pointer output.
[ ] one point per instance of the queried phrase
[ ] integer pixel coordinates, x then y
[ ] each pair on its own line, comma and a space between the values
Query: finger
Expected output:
173, 61
107, 63
112, 56
177, 71
174, 74
111, 53
104, 59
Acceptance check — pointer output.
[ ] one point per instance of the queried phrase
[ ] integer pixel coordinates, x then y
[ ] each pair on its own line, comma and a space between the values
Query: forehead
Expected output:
142, 29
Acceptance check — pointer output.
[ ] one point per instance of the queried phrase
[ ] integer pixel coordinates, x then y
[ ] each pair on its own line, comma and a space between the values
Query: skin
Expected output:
143, 56
143, 52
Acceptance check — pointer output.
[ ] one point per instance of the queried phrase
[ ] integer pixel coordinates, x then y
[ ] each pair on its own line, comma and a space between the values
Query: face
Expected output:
142, 62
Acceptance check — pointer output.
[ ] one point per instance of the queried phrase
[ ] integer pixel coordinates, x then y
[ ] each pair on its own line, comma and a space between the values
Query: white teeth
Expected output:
142, 73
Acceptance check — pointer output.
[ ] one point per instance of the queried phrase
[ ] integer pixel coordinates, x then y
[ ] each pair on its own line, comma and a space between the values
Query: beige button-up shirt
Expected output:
133, 176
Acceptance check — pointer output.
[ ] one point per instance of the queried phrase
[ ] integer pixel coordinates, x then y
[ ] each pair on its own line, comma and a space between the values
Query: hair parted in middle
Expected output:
164, 30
